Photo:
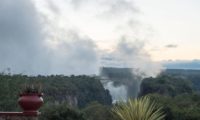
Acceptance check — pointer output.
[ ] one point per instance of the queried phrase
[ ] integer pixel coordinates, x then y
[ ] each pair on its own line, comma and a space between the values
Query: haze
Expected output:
79, 36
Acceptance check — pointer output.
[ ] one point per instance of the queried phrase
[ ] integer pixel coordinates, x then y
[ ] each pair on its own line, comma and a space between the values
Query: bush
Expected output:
60, 112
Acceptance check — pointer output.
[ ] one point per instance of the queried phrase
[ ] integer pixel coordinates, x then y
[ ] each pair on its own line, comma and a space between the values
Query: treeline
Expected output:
177, 91
77, 91
84, 98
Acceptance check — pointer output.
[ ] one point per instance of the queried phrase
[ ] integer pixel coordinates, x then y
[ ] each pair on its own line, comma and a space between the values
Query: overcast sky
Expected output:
67, 36
174, 22
169, 28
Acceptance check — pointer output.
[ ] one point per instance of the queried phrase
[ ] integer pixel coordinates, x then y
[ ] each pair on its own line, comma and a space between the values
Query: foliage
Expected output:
60, 112
181, 107
166, 85
79, 90
192, 75
97, 111
177, 91
31, 88
139, 109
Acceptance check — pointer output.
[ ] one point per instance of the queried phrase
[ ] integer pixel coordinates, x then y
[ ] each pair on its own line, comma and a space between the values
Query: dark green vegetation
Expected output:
78, 91
96, 111
192, 75
166, 85
178, 91
60, 112
66, 98
84, 98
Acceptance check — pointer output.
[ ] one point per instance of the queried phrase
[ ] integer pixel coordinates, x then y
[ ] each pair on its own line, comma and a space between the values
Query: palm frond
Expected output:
139, 109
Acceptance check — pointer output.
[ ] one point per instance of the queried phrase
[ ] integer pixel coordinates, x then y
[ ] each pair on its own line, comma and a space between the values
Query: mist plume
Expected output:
68, 37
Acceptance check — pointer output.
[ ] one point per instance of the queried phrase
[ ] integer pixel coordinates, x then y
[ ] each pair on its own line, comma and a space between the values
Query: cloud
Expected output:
111, 6
131, 54
21, 39
171, 46
61, 36
76, 55
24, 47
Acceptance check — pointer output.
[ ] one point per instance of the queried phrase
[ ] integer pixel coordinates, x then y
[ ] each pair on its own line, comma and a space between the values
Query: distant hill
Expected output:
180, 64
192, 75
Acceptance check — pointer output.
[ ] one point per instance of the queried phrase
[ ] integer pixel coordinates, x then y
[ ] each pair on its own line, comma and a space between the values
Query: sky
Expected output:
169, 28
176, 23
68, 36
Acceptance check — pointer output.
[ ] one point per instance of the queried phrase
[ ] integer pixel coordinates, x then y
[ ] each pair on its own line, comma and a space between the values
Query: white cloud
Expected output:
62, 36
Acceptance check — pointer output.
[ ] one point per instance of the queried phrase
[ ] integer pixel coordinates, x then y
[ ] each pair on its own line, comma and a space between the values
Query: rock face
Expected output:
72, 100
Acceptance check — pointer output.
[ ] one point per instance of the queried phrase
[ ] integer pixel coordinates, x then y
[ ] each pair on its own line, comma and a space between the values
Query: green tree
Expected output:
180, 107
60, 112
166, 85
97, 111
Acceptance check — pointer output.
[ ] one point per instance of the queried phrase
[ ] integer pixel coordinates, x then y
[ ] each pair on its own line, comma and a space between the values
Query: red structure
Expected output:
30, 103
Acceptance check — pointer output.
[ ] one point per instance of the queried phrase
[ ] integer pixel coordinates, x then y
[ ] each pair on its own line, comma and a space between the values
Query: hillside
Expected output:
177, 91
75, 90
